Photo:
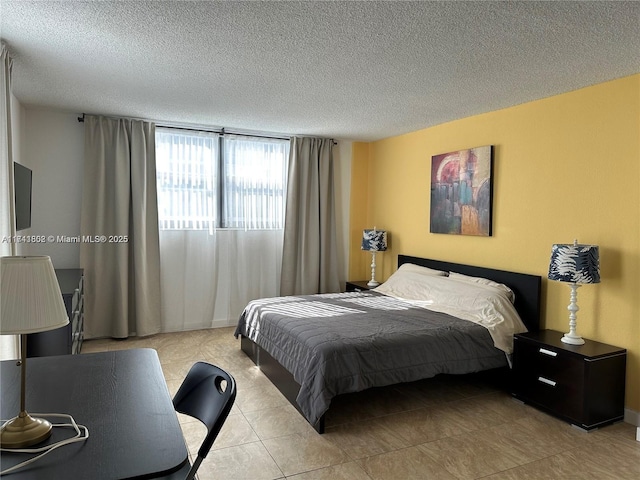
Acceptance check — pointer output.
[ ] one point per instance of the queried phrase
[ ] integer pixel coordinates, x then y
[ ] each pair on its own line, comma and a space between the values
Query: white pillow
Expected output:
470, 298
411, 267
483, 281
413, 283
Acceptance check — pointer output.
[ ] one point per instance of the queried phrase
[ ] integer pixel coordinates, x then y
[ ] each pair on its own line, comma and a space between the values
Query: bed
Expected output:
316, 347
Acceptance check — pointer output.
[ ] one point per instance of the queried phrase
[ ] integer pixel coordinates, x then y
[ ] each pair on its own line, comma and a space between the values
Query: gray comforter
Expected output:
347, 342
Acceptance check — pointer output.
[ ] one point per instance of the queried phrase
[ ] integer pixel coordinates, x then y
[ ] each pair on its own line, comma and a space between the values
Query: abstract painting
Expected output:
461, 192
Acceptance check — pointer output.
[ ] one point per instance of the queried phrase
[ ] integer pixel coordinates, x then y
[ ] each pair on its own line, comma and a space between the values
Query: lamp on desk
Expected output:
575, 264
374, 241
30, 302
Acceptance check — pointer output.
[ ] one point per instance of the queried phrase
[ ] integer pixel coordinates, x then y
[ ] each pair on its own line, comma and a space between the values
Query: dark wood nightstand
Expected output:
582, 384
358, 286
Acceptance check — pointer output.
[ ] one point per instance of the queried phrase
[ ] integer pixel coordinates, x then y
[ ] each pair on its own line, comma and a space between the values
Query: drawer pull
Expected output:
548, 352
547, 381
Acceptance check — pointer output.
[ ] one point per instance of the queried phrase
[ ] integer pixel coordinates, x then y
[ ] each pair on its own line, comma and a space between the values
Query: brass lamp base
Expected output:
24, 431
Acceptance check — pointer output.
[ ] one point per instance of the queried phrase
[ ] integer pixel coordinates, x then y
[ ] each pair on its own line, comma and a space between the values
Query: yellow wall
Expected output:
565, 168
359, 207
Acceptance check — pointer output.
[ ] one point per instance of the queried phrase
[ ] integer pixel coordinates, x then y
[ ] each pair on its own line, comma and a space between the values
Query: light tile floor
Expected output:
442, 428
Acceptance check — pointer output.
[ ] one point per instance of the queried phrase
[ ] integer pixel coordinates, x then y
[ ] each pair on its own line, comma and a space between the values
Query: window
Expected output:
207, 180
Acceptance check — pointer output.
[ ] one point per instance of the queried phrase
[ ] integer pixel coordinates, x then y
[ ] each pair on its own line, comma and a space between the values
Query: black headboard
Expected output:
526, 287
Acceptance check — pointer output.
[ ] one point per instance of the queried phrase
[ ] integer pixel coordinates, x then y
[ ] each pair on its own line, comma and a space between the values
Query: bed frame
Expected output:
527, 292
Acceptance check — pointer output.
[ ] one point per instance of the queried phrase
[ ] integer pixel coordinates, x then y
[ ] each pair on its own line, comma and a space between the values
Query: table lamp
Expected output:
30, 302
575, 264
374, 241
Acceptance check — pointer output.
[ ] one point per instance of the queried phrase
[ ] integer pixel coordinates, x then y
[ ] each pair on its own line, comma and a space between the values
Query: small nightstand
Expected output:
582, 384
358, 286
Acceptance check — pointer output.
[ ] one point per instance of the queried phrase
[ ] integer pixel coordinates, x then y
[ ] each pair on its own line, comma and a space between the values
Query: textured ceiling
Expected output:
351, 70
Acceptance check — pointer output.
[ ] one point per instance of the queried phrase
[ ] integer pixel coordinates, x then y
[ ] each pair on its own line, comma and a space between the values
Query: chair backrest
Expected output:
207, 393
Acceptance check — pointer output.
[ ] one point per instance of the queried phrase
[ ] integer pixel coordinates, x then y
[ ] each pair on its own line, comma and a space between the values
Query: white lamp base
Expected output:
373, 282
572, 339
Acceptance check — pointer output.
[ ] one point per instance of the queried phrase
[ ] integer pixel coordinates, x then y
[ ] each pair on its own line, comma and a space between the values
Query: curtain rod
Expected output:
221, 131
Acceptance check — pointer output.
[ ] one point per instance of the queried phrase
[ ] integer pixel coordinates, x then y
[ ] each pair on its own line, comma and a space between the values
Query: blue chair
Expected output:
207, 393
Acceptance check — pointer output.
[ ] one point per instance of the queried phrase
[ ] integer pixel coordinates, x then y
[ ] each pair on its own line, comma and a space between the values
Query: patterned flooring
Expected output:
442, 428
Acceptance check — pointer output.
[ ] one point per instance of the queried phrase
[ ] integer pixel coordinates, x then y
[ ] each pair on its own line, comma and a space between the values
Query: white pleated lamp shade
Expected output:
30, 297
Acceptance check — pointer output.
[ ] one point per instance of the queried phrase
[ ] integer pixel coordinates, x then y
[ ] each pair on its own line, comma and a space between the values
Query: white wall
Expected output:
53, 147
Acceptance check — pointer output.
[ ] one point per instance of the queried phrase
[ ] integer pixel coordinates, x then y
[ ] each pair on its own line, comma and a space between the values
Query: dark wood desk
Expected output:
121, 397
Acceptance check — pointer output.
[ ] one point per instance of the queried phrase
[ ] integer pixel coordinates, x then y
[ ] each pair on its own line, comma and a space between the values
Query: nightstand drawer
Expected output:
560, 397
548, 362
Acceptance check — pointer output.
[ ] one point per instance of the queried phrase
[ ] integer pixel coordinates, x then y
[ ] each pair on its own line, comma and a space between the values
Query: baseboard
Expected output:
632, 417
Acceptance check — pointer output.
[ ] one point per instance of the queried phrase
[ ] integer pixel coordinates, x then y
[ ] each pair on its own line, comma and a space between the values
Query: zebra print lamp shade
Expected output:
574, 264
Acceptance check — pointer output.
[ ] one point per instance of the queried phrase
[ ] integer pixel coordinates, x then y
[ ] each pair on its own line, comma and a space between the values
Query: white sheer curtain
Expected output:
186, 177
220, 208
7, 225
7, 221
254, 176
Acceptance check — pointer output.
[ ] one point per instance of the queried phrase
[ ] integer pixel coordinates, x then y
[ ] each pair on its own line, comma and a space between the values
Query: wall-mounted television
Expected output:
22, 178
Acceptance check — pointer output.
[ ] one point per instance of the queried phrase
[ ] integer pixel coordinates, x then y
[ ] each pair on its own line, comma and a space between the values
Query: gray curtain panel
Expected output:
310, 253
120, 249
